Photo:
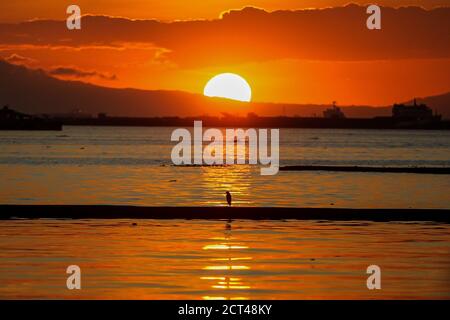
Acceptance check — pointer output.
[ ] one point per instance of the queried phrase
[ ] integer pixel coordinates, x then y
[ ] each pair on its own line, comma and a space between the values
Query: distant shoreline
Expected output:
8, 212
261, 122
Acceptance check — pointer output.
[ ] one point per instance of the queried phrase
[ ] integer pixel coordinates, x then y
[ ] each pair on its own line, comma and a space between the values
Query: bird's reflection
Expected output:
227, 272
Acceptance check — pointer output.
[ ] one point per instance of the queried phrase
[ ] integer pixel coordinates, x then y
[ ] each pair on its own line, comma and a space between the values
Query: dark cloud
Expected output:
252, 34
77, 73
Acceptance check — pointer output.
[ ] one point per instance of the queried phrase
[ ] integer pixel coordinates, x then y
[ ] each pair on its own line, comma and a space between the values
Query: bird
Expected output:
228, 198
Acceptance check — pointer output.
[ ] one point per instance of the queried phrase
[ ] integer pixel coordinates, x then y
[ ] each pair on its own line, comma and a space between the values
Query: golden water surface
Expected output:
197, 259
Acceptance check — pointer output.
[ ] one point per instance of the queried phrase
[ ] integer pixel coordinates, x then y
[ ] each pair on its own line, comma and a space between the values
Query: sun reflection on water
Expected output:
231, 261
236, 179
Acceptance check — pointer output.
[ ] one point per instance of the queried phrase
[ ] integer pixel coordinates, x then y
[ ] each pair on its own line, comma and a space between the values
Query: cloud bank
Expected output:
252, 35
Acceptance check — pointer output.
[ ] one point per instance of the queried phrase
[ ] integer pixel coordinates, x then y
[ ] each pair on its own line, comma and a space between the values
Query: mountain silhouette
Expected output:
34, 91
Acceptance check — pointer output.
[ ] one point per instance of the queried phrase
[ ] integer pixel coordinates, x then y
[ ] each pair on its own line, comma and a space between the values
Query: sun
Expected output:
230, 86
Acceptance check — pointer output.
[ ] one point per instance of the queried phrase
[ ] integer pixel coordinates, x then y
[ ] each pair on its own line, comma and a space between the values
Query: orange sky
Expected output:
285, 57
19, 10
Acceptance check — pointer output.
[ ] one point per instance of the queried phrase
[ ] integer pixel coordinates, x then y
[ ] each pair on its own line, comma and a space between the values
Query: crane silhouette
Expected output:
228, 198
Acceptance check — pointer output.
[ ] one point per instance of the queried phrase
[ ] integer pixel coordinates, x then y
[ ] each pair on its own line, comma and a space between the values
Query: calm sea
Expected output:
123, 165
178, 259
195, 259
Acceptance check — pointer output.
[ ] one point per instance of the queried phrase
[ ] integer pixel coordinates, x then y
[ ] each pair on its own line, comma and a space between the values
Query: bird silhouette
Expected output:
228, 198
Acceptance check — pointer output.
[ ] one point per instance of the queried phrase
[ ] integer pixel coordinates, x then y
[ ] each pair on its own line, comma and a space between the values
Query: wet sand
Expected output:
252, 213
